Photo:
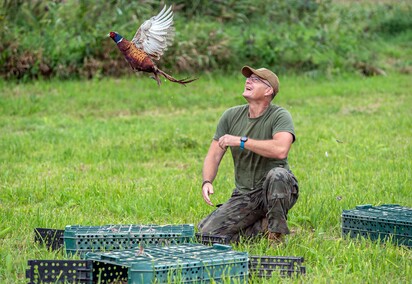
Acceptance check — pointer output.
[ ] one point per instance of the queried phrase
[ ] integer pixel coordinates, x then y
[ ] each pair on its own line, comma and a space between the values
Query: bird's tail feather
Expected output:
171, 79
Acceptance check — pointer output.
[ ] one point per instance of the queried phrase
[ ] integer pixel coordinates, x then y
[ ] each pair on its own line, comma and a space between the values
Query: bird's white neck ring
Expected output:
119, 41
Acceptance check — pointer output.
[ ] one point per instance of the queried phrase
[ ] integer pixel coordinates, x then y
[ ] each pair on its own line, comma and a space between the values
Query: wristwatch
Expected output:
243, 139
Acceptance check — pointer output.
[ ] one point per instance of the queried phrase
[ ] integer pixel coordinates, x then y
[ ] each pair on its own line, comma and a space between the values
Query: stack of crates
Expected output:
185, 263
82, 239
386, 222
150, 254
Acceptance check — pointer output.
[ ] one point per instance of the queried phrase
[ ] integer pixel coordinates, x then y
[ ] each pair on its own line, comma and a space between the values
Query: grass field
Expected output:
124, 151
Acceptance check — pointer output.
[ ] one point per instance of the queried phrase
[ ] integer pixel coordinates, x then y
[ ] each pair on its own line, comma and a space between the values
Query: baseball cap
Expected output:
263, 73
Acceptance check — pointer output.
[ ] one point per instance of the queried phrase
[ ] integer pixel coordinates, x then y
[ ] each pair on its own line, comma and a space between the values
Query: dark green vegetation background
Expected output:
67, 39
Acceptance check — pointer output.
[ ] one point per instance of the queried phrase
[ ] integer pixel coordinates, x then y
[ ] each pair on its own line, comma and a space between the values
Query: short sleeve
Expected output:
223, 126
283, 123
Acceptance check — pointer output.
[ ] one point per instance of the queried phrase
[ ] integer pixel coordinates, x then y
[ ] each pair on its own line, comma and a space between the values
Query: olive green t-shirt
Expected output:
251, 168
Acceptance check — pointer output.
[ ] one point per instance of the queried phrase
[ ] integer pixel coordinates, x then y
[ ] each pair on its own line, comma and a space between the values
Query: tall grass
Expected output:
128, 152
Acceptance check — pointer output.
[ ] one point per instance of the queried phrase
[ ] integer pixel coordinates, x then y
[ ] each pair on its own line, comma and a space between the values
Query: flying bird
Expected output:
152, 38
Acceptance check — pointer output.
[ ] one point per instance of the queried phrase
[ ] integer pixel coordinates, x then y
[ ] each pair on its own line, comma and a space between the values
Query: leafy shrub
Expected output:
210, 49
394, 19
68, 39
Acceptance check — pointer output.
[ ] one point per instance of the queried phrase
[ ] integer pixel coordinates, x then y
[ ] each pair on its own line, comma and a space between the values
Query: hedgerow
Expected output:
67, 39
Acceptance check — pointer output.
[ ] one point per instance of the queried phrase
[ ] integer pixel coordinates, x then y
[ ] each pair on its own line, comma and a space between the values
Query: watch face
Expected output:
243, 139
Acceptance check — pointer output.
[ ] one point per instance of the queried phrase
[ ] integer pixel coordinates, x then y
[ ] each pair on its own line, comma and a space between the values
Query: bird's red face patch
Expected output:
112, 34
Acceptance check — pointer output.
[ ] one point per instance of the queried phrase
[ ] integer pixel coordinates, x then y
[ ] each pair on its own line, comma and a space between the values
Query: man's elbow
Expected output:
281, 157
281, 154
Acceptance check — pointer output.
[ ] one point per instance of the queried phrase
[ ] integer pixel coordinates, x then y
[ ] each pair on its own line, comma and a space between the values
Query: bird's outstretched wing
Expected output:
156, 34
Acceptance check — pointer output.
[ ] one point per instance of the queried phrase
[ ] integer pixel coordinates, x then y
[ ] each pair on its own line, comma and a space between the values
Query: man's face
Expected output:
255, 87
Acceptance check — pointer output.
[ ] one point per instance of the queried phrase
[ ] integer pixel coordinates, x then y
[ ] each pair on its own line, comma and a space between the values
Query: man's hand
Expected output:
228, 140
207, 190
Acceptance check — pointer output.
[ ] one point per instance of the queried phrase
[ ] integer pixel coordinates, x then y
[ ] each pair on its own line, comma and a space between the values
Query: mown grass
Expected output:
124, 151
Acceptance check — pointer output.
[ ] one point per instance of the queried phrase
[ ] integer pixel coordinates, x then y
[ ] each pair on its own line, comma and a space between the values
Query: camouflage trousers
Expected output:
256, 212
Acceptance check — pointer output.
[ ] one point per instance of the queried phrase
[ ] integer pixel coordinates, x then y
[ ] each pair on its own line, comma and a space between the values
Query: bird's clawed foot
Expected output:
156, 77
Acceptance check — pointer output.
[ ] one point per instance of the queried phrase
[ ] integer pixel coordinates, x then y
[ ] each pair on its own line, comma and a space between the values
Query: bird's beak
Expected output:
108, 35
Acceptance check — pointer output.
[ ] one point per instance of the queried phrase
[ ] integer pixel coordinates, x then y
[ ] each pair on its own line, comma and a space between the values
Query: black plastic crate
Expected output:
74, 271
208, 239
51, 238
60, 271
386, 222
104, 273
285, 266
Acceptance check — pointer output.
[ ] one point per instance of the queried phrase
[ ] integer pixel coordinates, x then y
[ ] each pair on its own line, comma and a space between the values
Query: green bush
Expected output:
395, 19
68, 39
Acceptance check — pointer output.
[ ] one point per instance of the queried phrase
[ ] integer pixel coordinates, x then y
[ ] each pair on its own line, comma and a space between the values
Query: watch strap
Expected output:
242, 145
243, 139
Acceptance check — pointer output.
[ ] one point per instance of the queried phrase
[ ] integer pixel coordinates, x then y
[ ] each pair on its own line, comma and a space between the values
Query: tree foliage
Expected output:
67, 39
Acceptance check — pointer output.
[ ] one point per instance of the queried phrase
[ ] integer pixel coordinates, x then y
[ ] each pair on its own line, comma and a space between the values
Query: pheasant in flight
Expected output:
149, 43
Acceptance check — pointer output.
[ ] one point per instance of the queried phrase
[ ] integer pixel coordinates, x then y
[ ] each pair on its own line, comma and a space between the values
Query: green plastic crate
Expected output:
82, 239
186, 263
388, 221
